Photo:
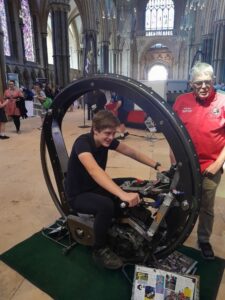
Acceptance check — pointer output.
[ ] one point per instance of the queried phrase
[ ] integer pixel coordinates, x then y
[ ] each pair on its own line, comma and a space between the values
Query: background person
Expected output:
39, 96
121, 113
28, 94
3, 118
100, 101
203, 113
48, 91
90, 189
89, 100
13, 94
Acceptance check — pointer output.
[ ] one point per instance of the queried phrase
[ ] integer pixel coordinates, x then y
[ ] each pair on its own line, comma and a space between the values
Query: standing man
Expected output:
203, 113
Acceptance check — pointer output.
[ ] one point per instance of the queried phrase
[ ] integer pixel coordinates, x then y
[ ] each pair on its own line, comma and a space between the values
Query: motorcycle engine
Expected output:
126, 242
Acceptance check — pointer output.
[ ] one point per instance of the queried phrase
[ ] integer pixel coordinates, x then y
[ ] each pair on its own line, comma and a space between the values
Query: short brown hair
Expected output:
104, 119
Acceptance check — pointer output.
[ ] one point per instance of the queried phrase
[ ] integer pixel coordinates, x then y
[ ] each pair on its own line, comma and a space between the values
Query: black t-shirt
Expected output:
78, 180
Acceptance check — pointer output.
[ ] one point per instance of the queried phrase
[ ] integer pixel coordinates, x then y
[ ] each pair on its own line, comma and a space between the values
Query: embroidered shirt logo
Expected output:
216, 111
186, 109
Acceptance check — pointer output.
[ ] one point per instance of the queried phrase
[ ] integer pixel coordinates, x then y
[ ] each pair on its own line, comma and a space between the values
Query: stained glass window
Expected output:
27, 31
159, 17
4, 28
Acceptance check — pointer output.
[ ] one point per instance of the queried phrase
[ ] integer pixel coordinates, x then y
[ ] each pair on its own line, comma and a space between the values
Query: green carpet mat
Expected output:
75, 276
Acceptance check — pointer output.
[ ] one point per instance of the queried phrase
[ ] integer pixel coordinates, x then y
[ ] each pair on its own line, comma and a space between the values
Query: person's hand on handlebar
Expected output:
131, 198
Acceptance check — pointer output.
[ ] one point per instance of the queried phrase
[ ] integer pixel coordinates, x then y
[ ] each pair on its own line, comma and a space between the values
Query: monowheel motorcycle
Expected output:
170, 203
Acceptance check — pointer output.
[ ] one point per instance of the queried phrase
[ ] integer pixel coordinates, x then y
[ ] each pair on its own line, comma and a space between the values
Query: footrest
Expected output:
58, 232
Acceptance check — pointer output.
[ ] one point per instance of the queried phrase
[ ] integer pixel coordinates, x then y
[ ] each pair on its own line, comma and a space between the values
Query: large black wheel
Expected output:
181, 221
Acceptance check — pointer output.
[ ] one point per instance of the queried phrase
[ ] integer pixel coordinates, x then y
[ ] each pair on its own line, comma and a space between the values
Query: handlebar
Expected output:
166, 182
124, 204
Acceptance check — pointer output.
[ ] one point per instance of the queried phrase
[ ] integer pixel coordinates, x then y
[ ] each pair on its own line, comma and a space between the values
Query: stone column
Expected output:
59, 11
2, 63
207, 48
105, 18
105, 57
114, 61
45, 54
21, 25
134, 59
218, 59
119, 61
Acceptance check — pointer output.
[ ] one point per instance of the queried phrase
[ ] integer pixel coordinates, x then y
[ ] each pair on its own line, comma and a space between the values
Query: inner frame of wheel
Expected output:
181, 221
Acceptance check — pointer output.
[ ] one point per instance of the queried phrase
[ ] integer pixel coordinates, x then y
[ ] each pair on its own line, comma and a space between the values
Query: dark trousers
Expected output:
89, 111
103, 205
16, 121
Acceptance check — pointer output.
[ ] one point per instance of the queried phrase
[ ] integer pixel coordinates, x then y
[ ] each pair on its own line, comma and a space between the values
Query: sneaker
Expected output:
207, 251
4, 137
107, 258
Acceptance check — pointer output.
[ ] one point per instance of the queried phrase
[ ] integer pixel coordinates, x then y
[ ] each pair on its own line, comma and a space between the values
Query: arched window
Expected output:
27, 31
157, 72
49, 39
159, 17
4, 28
73, 48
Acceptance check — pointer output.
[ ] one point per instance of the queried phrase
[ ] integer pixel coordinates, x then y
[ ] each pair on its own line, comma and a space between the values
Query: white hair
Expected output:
201, 68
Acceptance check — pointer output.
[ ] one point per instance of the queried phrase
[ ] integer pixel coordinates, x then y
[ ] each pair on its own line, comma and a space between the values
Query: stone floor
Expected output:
26, 205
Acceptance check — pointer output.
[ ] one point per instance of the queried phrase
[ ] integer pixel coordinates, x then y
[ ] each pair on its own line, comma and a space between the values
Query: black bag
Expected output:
21, 105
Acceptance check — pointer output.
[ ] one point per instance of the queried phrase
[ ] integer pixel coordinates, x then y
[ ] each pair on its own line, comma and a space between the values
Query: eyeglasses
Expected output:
200, 83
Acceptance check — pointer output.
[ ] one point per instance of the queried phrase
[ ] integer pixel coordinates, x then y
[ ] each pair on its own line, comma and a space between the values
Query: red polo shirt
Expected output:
205, 123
